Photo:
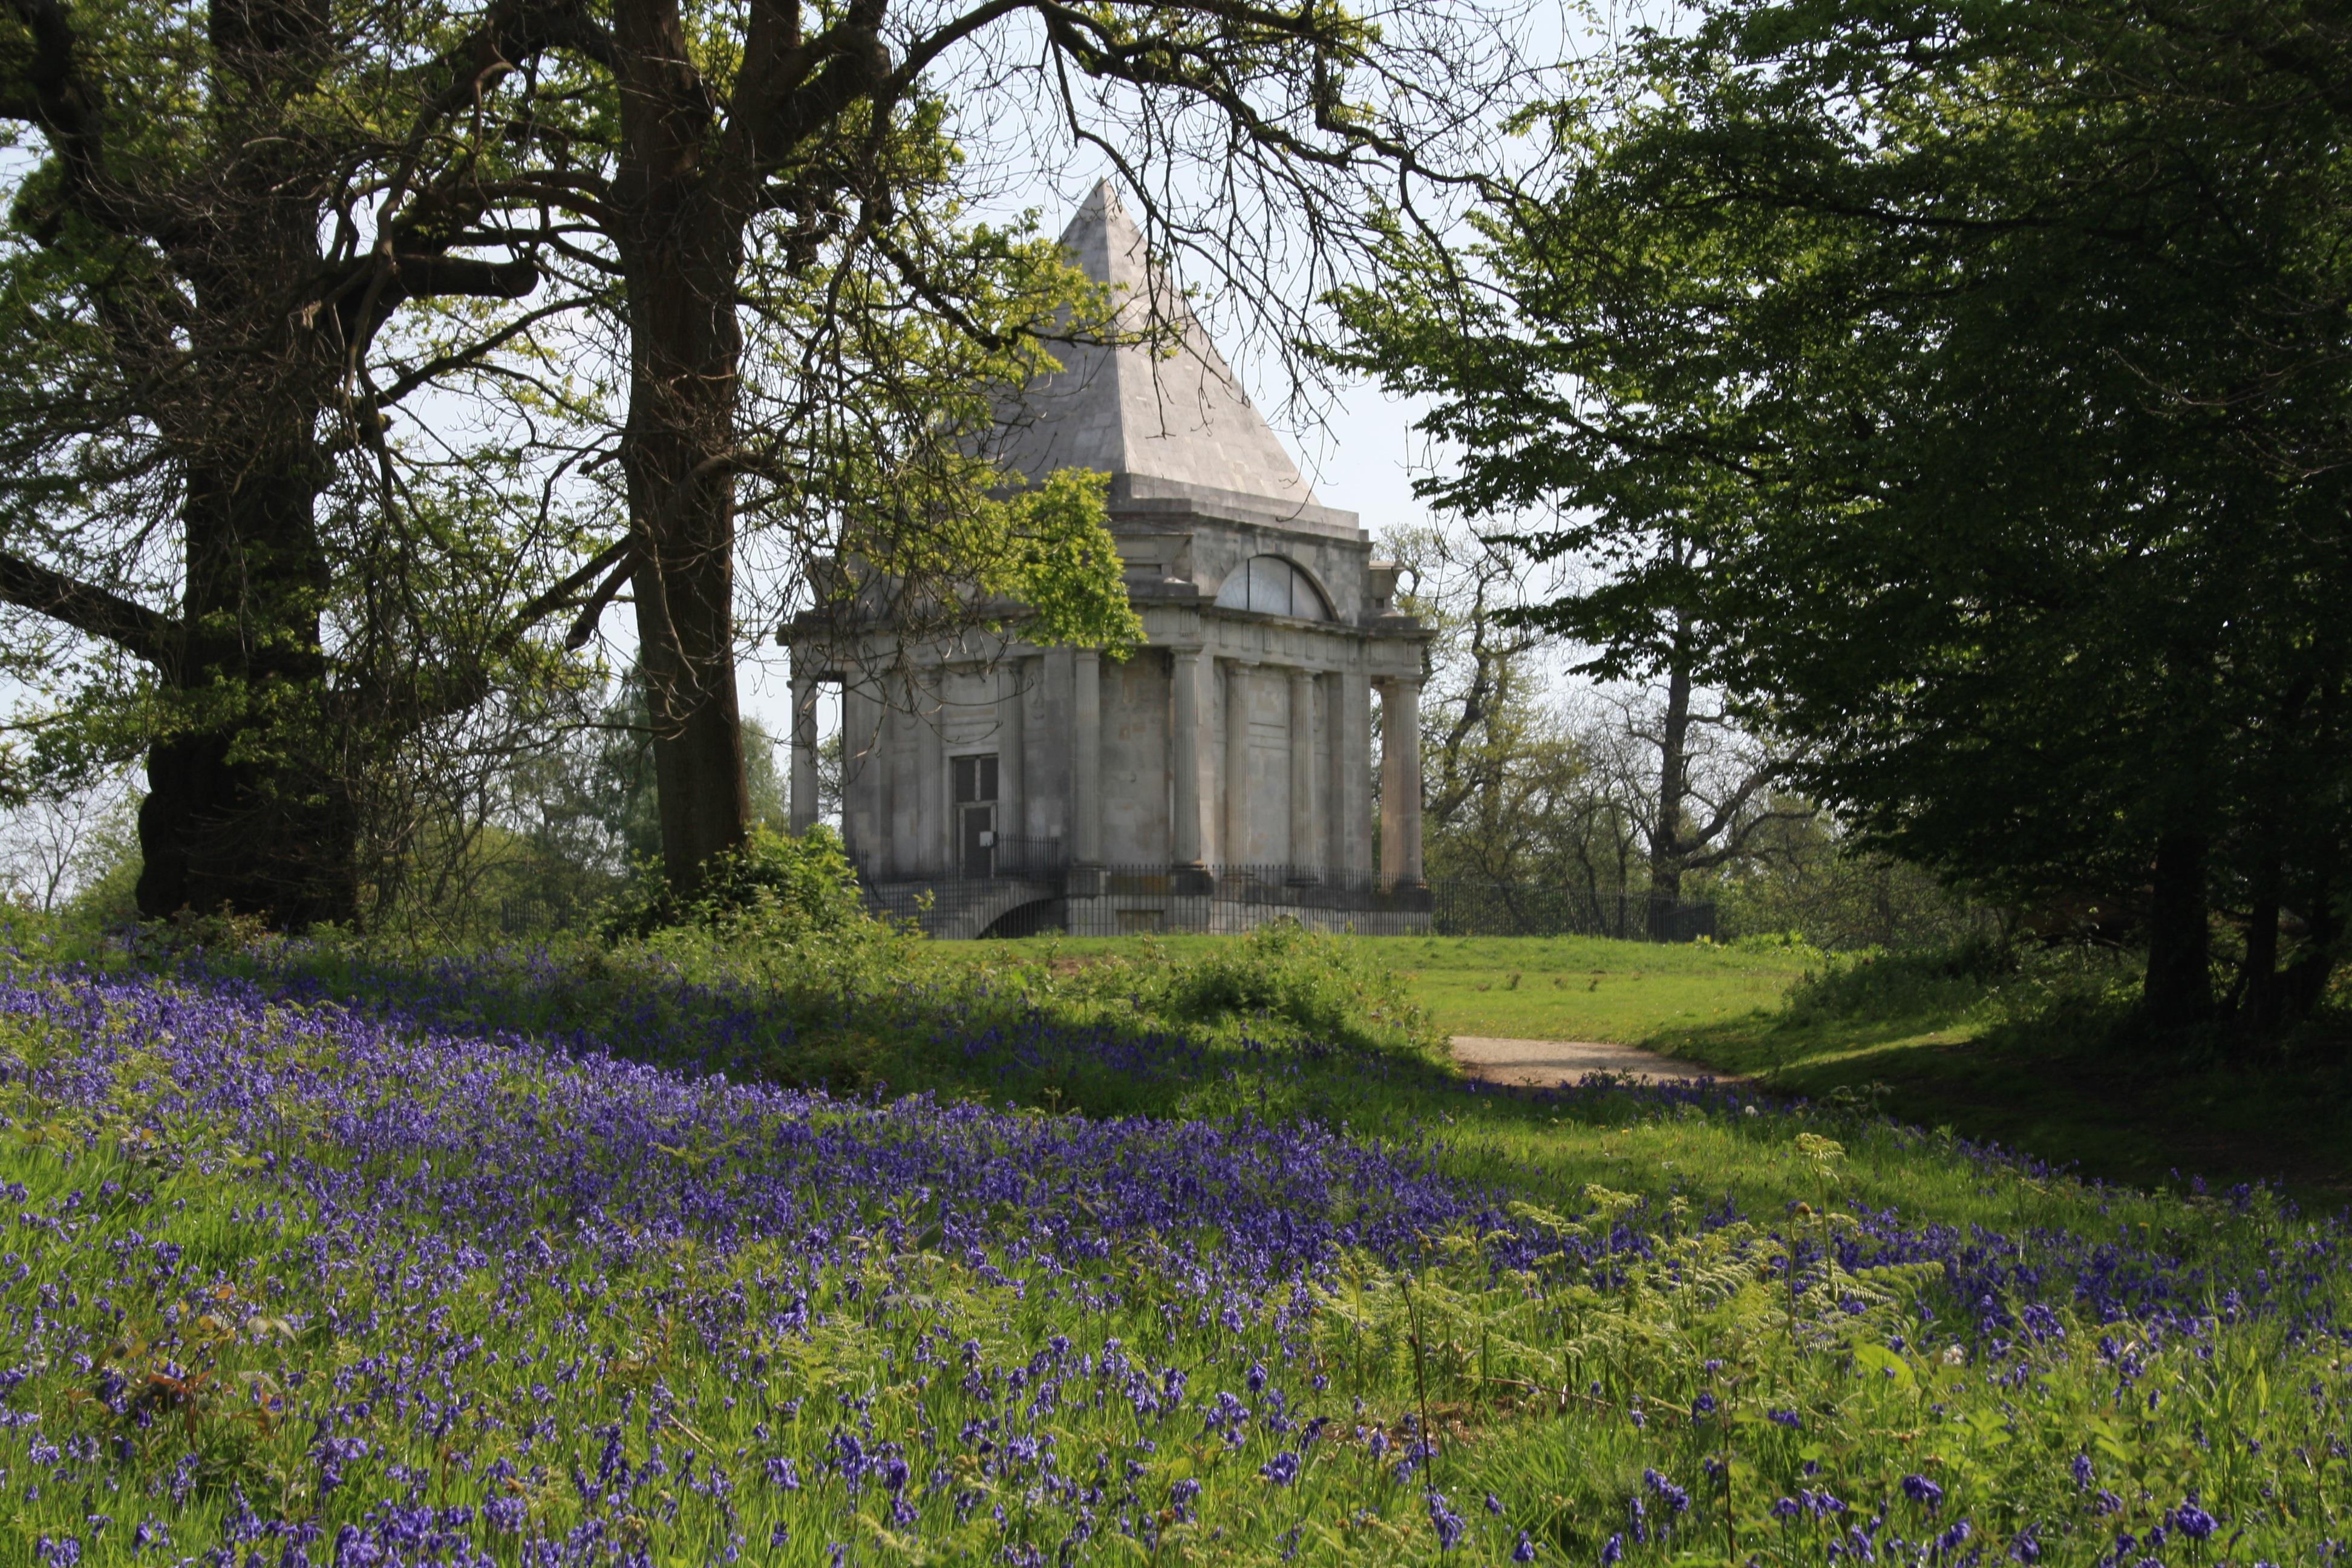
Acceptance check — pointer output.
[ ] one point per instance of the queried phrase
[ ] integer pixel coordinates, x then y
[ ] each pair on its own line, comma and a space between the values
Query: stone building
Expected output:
1221, 776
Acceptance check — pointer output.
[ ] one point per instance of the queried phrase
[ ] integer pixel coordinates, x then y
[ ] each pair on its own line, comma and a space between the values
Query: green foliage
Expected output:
1049, 550
1990, 362
1798, 876
1942, 983
779, 887
1330, 988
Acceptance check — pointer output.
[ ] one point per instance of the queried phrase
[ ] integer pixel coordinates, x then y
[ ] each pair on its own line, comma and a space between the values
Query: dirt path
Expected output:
1547, 1063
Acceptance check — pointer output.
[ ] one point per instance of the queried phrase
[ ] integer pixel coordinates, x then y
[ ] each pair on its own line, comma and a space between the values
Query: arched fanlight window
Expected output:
1271, 585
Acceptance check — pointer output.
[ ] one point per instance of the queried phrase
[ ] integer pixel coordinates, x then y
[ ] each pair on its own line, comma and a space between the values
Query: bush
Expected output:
1878, 985
777, 886
1331, 989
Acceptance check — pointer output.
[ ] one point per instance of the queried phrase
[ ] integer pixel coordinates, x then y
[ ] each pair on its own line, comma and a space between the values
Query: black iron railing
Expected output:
1126, 899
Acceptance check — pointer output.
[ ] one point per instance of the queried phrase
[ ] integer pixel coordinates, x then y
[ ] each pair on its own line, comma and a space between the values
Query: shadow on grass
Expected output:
977, 1038
893, 1029
2074, 1087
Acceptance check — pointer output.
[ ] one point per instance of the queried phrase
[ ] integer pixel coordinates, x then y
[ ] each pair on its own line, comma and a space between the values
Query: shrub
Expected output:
1870, 986
1332, 990
777, 886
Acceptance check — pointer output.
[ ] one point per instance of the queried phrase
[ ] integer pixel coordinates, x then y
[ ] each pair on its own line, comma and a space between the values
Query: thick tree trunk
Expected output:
2305, 981
681, 250
247, 808
2179, 986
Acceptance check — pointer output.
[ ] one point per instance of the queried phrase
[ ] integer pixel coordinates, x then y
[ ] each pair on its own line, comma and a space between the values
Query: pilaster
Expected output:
1234, 845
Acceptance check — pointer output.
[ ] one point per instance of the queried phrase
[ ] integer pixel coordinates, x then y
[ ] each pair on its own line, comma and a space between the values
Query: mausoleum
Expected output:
1221, 776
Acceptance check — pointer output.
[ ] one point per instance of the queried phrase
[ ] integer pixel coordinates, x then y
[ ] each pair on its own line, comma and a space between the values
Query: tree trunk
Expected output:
2179, 988
1666, 848
247, 808
2258, 1008
2305, 981
681, 250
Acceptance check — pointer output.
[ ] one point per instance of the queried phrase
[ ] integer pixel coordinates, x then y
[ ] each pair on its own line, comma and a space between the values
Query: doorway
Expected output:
975, 815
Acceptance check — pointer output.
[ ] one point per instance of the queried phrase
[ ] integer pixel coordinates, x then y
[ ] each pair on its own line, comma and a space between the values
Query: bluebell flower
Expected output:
2192, 1520
1448, 1524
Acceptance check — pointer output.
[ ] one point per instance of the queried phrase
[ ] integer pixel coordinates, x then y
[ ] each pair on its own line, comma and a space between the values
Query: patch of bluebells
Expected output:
412, 1169
418, 1163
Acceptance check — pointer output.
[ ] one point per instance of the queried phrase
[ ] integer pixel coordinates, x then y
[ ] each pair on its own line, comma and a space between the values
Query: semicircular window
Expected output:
1271, 585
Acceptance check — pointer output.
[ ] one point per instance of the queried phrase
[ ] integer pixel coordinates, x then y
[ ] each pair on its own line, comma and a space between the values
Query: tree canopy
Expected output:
362, 355
1993, 363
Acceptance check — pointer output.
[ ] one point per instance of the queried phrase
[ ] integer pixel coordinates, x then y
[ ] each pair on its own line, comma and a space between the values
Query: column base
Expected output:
1409, 895
1082, 881
1191, 881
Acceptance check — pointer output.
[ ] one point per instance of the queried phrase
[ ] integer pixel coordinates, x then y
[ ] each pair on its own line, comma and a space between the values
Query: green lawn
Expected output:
1936, 1054
1540, 988
2121, 1112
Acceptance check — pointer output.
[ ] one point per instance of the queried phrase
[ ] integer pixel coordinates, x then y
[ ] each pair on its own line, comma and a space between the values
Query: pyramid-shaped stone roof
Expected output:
1168, 426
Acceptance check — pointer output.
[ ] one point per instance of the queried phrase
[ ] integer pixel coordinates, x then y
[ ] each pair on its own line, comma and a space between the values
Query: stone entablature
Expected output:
1237, 742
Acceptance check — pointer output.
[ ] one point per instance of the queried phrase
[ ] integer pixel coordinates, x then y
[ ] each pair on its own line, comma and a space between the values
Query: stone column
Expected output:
804, 748
892, 845
1401, 784
1352, 797
932, 842
1333, 815
1188, 847
865, 784
1233, 845
1085, 762
1306, 854
1012, 758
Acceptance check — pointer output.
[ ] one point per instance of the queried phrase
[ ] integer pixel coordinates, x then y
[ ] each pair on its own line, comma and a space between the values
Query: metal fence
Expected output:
1123, 900
1462, 907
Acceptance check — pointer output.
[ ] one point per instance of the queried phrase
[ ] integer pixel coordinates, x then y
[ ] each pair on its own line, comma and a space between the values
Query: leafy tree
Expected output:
242, 236
252, 232
1512, 794
817, 341
1655, 769
1993, 361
